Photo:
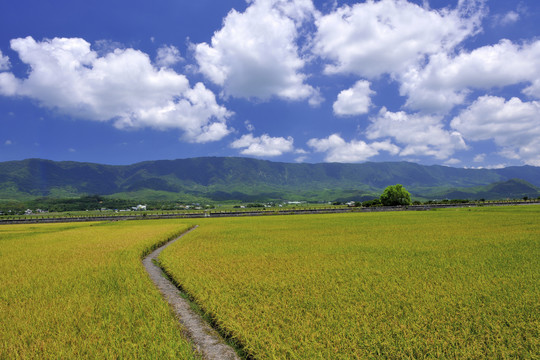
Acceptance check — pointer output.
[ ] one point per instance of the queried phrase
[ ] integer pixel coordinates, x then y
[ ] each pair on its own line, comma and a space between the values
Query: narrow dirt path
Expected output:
206, 340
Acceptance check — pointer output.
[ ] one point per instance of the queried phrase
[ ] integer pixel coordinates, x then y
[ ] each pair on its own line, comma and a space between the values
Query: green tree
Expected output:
395, 195
370, 203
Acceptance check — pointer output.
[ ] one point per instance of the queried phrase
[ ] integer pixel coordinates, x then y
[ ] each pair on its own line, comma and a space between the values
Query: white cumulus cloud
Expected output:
167, 56
389, 36
513, 125
122, 86
506, 19
446, 80
264, 145
480, 158
419, 134
338, 150
4, 62
354, 101
452, 161
255, 54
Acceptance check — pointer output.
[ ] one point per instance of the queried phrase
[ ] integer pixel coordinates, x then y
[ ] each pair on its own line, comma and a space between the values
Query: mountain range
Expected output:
246, 179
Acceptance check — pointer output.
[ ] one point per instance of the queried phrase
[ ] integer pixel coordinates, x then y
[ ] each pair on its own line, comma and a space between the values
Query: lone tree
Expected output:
395, 195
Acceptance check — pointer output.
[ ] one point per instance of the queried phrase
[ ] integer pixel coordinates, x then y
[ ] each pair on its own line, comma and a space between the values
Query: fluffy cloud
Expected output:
249, 126
452, 161
168, 56
338, 150
480, 158
514, 125
389, 36
446, 80
4, 62
420, 134
506, 19
263, 145
122, 86
354, 101
255, 54
8, 83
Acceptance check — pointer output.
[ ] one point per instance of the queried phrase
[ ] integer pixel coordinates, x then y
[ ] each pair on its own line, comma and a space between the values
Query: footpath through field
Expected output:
207, 340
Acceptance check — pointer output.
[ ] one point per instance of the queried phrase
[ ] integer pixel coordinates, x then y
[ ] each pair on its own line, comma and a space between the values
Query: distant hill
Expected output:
510, 189
244, 179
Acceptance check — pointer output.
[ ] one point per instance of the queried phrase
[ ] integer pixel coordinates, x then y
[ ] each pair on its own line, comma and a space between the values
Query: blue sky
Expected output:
434, 82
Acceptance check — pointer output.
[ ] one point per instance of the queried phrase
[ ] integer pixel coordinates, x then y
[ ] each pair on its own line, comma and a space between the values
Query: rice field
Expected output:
458, 283
79, 290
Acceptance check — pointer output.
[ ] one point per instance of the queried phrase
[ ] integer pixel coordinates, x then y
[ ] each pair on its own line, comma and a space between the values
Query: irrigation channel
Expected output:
206, 340
31, 219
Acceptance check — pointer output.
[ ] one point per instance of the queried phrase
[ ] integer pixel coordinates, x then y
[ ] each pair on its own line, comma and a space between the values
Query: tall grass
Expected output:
440, 284
70, 291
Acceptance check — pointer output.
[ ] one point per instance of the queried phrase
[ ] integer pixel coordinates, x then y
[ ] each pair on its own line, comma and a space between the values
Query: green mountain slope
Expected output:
510, 189
222, 178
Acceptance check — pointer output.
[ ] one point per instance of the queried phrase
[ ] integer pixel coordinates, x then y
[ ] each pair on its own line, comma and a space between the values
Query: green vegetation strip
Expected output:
455, 283
71, 291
